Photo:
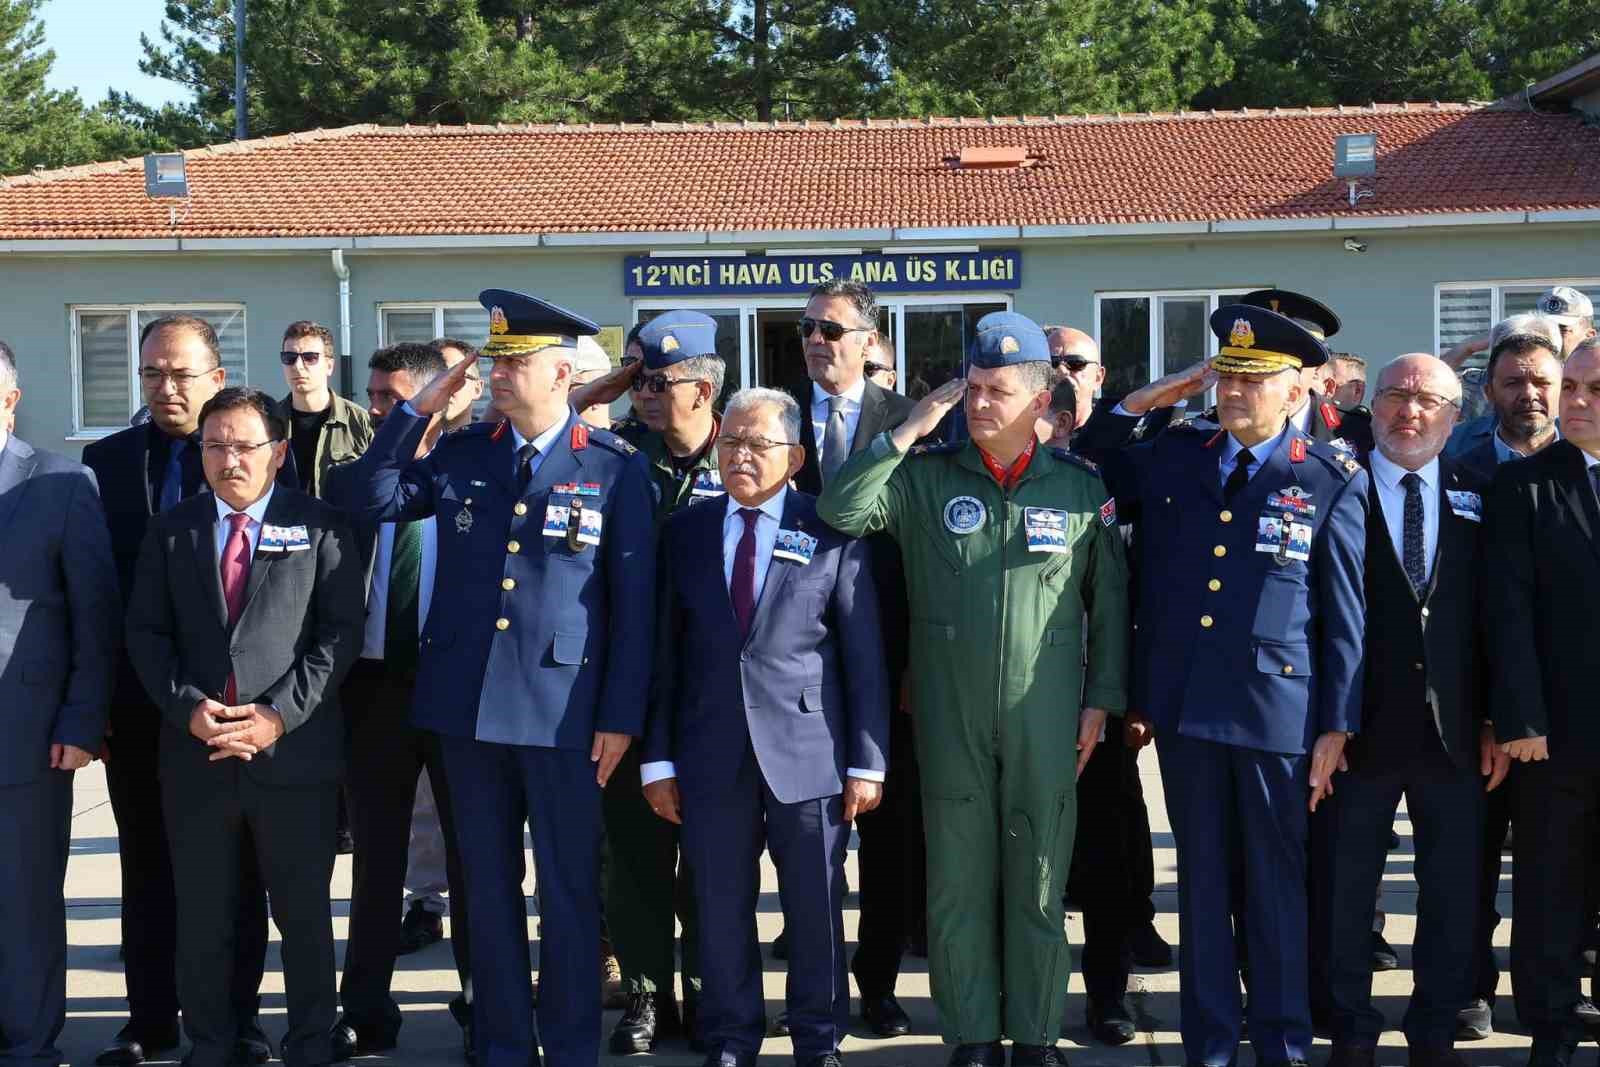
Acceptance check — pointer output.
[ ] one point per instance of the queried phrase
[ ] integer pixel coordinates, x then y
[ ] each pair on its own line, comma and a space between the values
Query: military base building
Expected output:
1440, 219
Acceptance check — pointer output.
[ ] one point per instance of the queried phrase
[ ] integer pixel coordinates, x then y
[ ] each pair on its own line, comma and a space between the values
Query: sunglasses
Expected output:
831, 331
308, 358
870, 368
658, 384
1072, 363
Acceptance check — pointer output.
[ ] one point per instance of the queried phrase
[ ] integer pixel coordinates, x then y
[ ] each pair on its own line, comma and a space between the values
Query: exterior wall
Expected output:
1386, 294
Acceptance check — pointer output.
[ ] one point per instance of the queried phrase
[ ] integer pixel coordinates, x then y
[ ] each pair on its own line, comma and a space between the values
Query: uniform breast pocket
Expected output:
1283, 659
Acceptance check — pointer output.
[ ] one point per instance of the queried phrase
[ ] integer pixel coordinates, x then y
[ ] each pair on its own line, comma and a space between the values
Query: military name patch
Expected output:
1108, 512
964, 514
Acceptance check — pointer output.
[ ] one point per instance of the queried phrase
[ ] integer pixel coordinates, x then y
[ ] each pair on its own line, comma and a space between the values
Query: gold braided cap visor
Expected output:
1232, 360
522, 344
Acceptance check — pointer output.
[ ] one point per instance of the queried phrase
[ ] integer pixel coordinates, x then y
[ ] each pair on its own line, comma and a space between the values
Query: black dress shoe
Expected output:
725, 1059
1384, 958
251, 1046
1147, 948
350, 1040
1549, 1052
780, 1025
130, 1048
986, 1054
1110, 1022
649, 1016
1586, 1013
1353, 1054
1436, 1056
884, 1016
829, 1060
419, 929
1475, 1022
1037, 1056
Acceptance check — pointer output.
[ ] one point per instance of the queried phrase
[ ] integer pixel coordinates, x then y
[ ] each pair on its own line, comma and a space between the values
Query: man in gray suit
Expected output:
58, 639
247, 610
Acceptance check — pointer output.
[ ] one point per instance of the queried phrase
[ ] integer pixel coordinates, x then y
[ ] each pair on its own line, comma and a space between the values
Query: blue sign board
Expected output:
886, 272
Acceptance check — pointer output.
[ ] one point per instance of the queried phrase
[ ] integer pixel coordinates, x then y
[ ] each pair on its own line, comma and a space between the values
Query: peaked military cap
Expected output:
676, 336
520, 324
1258, 341
1005, 339
1318, 318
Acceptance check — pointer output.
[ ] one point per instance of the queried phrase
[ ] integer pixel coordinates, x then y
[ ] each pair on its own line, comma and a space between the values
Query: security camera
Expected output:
1353, 245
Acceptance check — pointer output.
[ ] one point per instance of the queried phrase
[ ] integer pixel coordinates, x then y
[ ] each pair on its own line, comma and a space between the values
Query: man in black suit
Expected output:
143, 471
840, 417
1543, 532
1422, 725
58, 634
247, 610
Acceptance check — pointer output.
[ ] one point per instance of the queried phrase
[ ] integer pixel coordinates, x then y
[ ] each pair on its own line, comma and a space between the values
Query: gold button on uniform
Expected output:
514, 547
1214, 585
1205, 621
520, 509
508, 584
502, 624
1220, 551
1226, 516
1288, 669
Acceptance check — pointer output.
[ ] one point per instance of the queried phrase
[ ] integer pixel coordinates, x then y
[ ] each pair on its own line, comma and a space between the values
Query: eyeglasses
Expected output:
153, 379
658, 383
225, 449
1428, 402
831, 331
308, 358
757, 446
1072, 363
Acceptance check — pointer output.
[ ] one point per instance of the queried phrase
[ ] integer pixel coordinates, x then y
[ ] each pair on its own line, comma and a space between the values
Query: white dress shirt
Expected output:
378, 596
1392, 501
252, 529
1259, 452
541, 443
767, 523
820, 412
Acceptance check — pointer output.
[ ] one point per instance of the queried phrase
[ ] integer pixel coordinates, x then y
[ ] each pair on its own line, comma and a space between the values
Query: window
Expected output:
421, 323
105, 351
1146, 335
1468, 310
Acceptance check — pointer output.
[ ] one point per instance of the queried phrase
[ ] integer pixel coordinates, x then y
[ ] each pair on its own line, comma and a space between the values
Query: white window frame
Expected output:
1497, 290
747, 306
438, 308
95, 433
1156, 367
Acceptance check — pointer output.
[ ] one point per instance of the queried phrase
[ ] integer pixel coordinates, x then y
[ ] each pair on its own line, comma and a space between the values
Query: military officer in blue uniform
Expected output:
1247, 660
530, 668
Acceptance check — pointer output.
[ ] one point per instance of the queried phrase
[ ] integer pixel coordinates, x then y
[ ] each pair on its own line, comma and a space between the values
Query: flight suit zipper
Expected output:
1005, 583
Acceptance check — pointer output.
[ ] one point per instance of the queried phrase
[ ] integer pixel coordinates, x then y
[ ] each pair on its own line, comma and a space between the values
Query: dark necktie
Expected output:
1240, 476
1412, 552
525, 456
172, 477
743, 587
1594, 478
235, 575
835, 446
401, 623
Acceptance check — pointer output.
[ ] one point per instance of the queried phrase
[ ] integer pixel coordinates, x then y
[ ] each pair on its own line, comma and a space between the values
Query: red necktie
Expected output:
235, 573
744, 572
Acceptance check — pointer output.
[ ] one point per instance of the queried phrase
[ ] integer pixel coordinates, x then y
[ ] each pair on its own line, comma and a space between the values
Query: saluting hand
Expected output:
1091, 724
928, 412
861, 796
435, 396
1529, 749
612, 385
1493, 762
607, 752
1167, 391
662, 796
1326, 758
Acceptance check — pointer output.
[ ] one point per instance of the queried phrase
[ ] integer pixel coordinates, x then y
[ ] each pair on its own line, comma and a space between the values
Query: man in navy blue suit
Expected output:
769, 724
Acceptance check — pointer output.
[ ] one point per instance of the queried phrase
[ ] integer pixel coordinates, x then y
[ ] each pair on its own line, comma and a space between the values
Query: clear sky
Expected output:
97, 47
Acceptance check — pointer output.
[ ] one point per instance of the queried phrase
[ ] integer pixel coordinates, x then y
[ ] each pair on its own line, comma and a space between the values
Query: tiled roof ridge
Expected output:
287, 140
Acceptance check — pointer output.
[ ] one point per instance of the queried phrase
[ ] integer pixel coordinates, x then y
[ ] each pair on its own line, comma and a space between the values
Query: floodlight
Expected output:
1355, 156
165, 175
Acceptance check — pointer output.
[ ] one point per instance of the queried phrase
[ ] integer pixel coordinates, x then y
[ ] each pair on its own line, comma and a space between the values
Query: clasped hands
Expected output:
235, 732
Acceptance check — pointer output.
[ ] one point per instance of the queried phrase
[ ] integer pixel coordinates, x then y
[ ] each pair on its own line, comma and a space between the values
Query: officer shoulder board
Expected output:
473, 430
941, 448
1341, 461
610, 441
1076, 460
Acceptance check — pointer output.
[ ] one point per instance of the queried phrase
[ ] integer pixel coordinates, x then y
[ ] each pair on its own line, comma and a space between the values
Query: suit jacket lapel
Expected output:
16, 463
778, 570
203, 542
809, 476
1580, 493
870, 424
261, 563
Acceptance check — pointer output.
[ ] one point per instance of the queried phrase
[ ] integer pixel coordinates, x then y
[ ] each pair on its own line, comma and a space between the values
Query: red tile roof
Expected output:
1097, 170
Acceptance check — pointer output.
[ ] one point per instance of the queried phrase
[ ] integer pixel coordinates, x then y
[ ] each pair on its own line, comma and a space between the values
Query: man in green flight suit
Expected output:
1017, 579
674, 388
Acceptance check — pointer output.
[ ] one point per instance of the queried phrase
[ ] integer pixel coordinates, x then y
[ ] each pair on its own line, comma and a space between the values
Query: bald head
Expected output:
1074, 355
1414, 409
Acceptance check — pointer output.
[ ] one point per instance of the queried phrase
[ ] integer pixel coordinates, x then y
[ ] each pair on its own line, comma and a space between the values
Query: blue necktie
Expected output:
1411, 534
172, 480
